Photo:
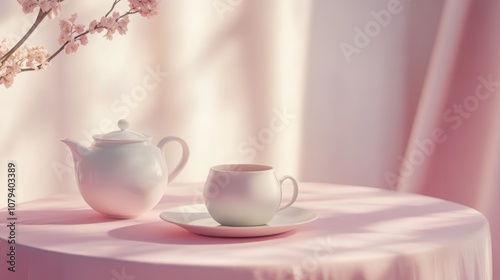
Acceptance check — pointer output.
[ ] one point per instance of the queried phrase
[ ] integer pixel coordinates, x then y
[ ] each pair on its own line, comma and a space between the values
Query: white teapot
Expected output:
122, 174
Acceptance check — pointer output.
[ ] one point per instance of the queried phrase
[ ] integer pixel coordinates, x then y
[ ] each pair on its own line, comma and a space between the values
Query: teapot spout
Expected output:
78, 151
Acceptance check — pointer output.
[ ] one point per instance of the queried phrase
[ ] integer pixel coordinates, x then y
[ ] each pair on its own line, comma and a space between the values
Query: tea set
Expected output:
241, 200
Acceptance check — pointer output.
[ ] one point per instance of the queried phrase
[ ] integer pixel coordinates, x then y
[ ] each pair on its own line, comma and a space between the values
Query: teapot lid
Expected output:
123, 135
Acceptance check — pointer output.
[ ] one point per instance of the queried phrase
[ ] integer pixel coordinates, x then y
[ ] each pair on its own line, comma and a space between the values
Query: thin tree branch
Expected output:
61, 48
41, 15
112, 8
127, 13
38, 67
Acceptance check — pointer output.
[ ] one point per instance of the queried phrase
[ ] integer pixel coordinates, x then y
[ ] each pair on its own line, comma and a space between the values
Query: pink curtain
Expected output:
395, 94
454, 147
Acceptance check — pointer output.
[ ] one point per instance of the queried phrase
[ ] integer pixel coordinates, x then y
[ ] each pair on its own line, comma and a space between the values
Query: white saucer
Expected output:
196, 219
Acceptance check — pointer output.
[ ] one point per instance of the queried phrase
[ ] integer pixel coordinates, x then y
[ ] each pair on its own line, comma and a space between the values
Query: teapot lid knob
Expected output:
123, 124
123, 135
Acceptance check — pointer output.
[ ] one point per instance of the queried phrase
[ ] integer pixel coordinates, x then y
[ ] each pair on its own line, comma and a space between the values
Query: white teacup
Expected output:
245, 194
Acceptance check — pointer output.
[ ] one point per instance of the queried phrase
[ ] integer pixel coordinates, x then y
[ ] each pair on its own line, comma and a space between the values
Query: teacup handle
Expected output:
184, 158
295, 190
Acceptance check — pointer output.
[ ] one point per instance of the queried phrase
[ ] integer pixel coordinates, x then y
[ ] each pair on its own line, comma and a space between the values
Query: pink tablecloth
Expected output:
361, 233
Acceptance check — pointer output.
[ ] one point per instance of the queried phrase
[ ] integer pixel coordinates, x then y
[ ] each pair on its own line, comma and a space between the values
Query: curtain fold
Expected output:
454, 148
436, 87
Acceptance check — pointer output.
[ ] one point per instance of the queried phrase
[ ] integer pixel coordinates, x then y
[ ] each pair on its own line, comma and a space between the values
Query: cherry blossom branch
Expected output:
48, 60
22, 58
58, 51
46, 8
41, 15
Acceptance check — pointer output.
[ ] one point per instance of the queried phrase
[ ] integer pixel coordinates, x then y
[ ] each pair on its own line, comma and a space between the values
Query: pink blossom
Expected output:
79, 28
51, 6
84, 40
7, 80
15, 68
62, 39
28, 5
44, 5
4, 47
73, 17
55, 9
147, 8
66, 29
92, 27
25, 57
65, 26
109, 34
122, 25
110, 24
41, 55
30, 57
72, 47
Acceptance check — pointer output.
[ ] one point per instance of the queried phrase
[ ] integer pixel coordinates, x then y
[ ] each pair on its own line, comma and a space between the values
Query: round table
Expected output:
361, 234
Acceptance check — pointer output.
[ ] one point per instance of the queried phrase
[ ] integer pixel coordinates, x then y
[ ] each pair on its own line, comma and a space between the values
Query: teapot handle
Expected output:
184, 158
